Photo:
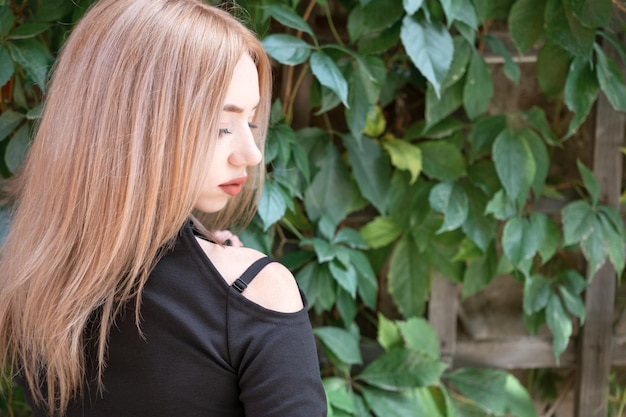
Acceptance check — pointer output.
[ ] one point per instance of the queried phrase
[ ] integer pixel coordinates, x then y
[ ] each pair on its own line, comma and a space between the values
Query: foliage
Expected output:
405, 170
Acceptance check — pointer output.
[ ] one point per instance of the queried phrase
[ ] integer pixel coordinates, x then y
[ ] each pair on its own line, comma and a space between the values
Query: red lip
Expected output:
233, 187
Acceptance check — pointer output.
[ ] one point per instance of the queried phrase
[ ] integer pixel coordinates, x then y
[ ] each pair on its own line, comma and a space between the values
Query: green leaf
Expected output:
28, 30
343, 344
407, 206
339, 395
501, 206
272, 205
368, 282
478, 88
515, 164
380, 232
478, 227
346, 304
566, 30
552, 68
526, 23
318, 286
548, 235
17, 147
402, 368
439, 106
460, 58
590, 181
594, 248
450, 199
537, 293
405, 156
6, 66
351, 238
412, 6
614, 242
52, 10
574, 303
388, 335
452, 8
581, 91
324, 250
494, 391
578, 220
375, 122
6, 20
9, 120
484, 132
33, 57
559, 323
330, 191
378, 42
540, 156
329, 75
537, 119
371, 169
442, 160
381, 14
573, 281
480, 272
430, 48
288, 17
519, 240
409, 277
364, 90
345, 276
592, 13
511, 69
286, 49
611, 80
389, 403
614, 217
420, 337
466, 14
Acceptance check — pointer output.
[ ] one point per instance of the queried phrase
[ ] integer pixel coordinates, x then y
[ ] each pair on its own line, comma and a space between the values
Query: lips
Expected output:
233, 187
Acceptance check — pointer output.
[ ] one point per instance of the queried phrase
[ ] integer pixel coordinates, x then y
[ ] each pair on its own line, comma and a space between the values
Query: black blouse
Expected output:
206, 351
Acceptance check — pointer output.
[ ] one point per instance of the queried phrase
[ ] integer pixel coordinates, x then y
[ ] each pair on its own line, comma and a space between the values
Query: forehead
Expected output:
243, 91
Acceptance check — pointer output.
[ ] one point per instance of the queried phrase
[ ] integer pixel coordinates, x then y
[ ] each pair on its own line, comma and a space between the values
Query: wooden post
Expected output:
442, 314
594, 350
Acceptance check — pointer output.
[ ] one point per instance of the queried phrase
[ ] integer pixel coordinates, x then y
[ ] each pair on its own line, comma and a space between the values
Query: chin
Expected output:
210, 206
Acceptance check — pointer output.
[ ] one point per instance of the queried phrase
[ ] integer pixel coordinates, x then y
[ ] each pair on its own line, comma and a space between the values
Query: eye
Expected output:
252, 126
224, 131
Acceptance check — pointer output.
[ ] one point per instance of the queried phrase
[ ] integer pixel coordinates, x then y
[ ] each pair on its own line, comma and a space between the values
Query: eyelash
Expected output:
225, 131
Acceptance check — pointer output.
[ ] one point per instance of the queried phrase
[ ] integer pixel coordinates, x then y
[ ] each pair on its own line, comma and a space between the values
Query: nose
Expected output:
247, 153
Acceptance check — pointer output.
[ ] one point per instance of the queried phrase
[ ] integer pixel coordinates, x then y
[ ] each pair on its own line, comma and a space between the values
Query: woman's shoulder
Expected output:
274, 287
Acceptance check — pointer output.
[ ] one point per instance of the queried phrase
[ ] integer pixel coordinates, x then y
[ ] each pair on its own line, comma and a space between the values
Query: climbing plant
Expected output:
403, 169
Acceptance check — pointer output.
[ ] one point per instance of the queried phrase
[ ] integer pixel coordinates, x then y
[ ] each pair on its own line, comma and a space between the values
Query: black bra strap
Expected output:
244, 280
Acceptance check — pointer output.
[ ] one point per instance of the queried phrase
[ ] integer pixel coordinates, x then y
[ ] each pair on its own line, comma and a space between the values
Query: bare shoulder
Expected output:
274, 287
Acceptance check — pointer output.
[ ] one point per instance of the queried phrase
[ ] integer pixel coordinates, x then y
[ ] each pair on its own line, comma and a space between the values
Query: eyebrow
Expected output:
231, 108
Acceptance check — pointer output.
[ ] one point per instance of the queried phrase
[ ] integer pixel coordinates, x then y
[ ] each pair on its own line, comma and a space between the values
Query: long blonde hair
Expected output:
114, 171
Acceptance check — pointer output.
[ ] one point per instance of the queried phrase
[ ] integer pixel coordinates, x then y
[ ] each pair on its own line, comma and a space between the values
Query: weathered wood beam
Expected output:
594, 349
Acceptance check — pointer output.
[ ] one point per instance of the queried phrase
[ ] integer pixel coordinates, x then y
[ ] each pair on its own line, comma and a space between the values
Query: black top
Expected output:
207, 350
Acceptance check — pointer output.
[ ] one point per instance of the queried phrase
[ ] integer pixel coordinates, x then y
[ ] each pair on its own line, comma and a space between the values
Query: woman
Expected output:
114, 301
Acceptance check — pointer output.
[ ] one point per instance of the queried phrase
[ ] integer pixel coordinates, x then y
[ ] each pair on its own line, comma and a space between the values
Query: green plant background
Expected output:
398, 166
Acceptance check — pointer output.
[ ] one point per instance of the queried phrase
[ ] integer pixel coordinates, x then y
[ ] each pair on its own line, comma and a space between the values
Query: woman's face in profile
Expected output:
235, 148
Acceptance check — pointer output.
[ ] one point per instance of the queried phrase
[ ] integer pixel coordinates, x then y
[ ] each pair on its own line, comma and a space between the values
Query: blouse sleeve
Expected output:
276, 360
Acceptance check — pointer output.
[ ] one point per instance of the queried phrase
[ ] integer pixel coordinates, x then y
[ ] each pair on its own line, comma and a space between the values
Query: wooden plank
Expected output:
524, 352
442, 314
594, 350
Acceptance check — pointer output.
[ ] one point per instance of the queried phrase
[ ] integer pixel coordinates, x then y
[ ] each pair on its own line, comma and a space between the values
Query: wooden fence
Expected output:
596, 348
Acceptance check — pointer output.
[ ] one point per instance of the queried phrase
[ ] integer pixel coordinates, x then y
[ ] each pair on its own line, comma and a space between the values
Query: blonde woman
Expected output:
114, 300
